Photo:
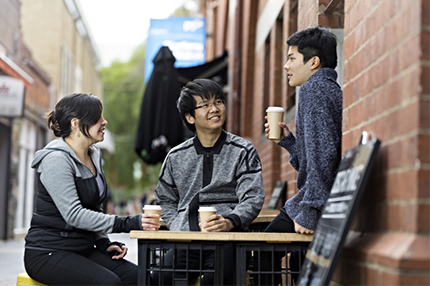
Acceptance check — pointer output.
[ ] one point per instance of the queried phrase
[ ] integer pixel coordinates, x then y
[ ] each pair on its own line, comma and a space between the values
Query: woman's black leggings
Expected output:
70, 268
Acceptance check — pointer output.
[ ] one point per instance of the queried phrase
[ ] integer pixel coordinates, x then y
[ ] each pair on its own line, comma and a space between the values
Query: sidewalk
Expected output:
12, 252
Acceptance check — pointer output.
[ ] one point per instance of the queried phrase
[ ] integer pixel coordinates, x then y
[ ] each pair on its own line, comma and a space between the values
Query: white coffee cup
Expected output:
204, 213
275, 115
152, 209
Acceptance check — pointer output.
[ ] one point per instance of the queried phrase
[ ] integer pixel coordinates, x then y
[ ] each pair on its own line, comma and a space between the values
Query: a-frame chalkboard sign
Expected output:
351, 179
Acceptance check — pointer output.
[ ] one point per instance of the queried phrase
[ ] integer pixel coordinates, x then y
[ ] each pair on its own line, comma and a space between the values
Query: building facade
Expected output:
45, 46
23, 133
384, 53
57, 33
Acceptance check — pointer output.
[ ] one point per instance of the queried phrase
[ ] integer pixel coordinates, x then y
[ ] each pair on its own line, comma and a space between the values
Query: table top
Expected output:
263, 217
270, 237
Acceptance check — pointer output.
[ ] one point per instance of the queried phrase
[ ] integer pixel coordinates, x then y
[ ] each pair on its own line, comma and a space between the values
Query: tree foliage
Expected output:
126, 174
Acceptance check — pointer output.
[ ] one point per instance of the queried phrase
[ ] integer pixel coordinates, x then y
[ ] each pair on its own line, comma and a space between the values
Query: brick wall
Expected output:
386, 92
386, 84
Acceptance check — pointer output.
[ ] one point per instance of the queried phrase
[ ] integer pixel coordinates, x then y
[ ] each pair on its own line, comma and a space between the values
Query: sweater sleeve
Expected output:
56, 174
289, 144
249, 190
167, 195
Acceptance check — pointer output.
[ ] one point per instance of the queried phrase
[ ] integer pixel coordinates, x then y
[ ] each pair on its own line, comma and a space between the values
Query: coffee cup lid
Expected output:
152, 207
207, 209
274, 109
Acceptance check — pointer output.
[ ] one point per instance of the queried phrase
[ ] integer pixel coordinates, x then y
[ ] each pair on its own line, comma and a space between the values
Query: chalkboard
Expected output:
324, 251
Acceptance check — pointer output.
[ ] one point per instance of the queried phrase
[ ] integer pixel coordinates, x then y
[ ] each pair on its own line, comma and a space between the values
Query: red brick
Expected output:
349, 4
424, 79
424, 184
409, 54
382, 14
367, 82
382, 96
409, 115
380, 128
379, 73
392, 34
353, 67
396, 251
423, 224
372, 276
410, 151
412, 86
425, 44
355, 116
393, 122
395, 62
415, 278
393, 151
425, 12
348, 45
424, 148
356, 14
347, 142
417, 256
372, 106
397, 217
389, 278
346, 72
393, 96
345, 119
402, 185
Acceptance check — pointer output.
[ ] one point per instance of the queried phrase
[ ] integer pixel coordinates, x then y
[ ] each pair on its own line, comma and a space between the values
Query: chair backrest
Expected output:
278, 195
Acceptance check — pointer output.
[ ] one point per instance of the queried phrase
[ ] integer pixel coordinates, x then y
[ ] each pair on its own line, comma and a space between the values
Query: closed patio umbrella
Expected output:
160, 127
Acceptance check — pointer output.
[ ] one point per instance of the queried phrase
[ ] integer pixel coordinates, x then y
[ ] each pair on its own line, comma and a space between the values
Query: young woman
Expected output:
67, 243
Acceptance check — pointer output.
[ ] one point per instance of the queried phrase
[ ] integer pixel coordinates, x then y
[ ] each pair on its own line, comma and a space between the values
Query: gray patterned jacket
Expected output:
227, 177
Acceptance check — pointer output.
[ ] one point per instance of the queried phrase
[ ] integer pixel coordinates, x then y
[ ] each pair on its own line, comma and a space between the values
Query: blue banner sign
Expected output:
185, 37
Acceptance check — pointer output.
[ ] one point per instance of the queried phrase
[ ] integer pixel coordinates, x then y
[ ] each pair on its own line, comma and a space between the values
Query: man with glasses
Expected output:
214, 168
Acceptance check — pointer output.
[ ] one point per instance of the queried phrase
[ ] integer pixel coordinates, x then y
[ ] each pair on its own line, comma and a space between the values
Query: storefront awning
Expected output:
13, 70
215, 70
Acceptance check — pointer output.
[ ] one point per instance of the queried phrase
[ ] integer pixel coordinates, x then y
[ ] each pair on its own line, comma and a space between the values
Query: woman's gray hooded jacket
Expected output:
68, 214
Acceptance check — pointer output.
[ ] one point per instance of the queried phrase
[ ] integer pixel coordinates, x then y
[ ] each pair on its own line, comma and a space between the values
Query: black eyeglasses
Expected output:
206, 106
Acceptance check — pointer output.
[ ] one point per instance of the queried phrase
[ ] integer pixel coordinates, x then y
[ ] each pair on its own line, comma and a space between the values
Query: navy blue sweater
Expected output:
315, 151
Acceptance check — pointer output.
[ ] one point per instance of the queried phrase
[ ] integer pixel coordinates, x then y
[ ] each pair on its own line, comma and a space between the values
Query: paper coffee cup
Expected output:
275, 115
152, 209
204, 213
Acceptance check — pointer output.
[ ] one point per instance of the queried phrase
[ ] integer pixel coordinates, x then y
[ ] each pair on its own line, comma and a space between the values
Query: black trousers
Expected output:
192, 259
70, 268
281, 223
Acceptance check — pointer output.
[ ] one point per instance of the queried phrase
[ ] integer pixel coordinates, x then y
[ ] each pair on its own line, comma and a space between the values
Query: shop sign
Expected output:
12, 93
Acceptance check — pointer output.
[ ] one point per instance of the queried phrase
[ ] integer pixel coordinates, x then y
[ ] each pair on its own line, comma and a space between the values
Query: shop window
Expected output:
66, 71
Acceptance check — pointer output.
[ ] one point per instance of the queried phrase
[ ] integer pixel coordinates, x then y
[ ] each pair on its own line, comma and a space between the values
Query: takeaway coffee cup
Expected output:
275, 115
206, 212
152, 209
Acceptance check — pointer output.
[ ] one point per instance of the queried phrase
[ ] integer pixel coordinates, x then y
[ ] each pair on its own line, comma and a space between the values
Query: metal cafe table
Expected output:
153, 244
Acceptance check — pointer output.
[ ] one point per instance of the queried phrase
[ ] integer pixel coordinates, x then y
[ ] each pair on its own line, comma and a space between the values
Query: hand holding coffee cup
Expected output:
151, 217
205, 213
274, 116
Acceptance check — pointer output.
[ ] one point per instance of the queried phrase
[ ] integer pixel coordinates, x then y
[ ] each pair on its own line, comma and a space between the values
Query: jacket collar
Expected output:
216, 148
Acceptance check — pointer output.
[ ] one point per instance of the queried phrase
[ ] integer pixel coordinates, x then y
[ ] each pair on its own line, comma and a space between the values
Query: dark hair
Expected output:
85, 107
316, 41
205, 88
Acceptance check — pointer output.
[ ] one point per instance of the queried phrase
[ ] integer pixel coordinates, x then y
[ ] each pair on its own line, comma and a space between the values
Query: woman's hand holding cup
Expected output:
151, 217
